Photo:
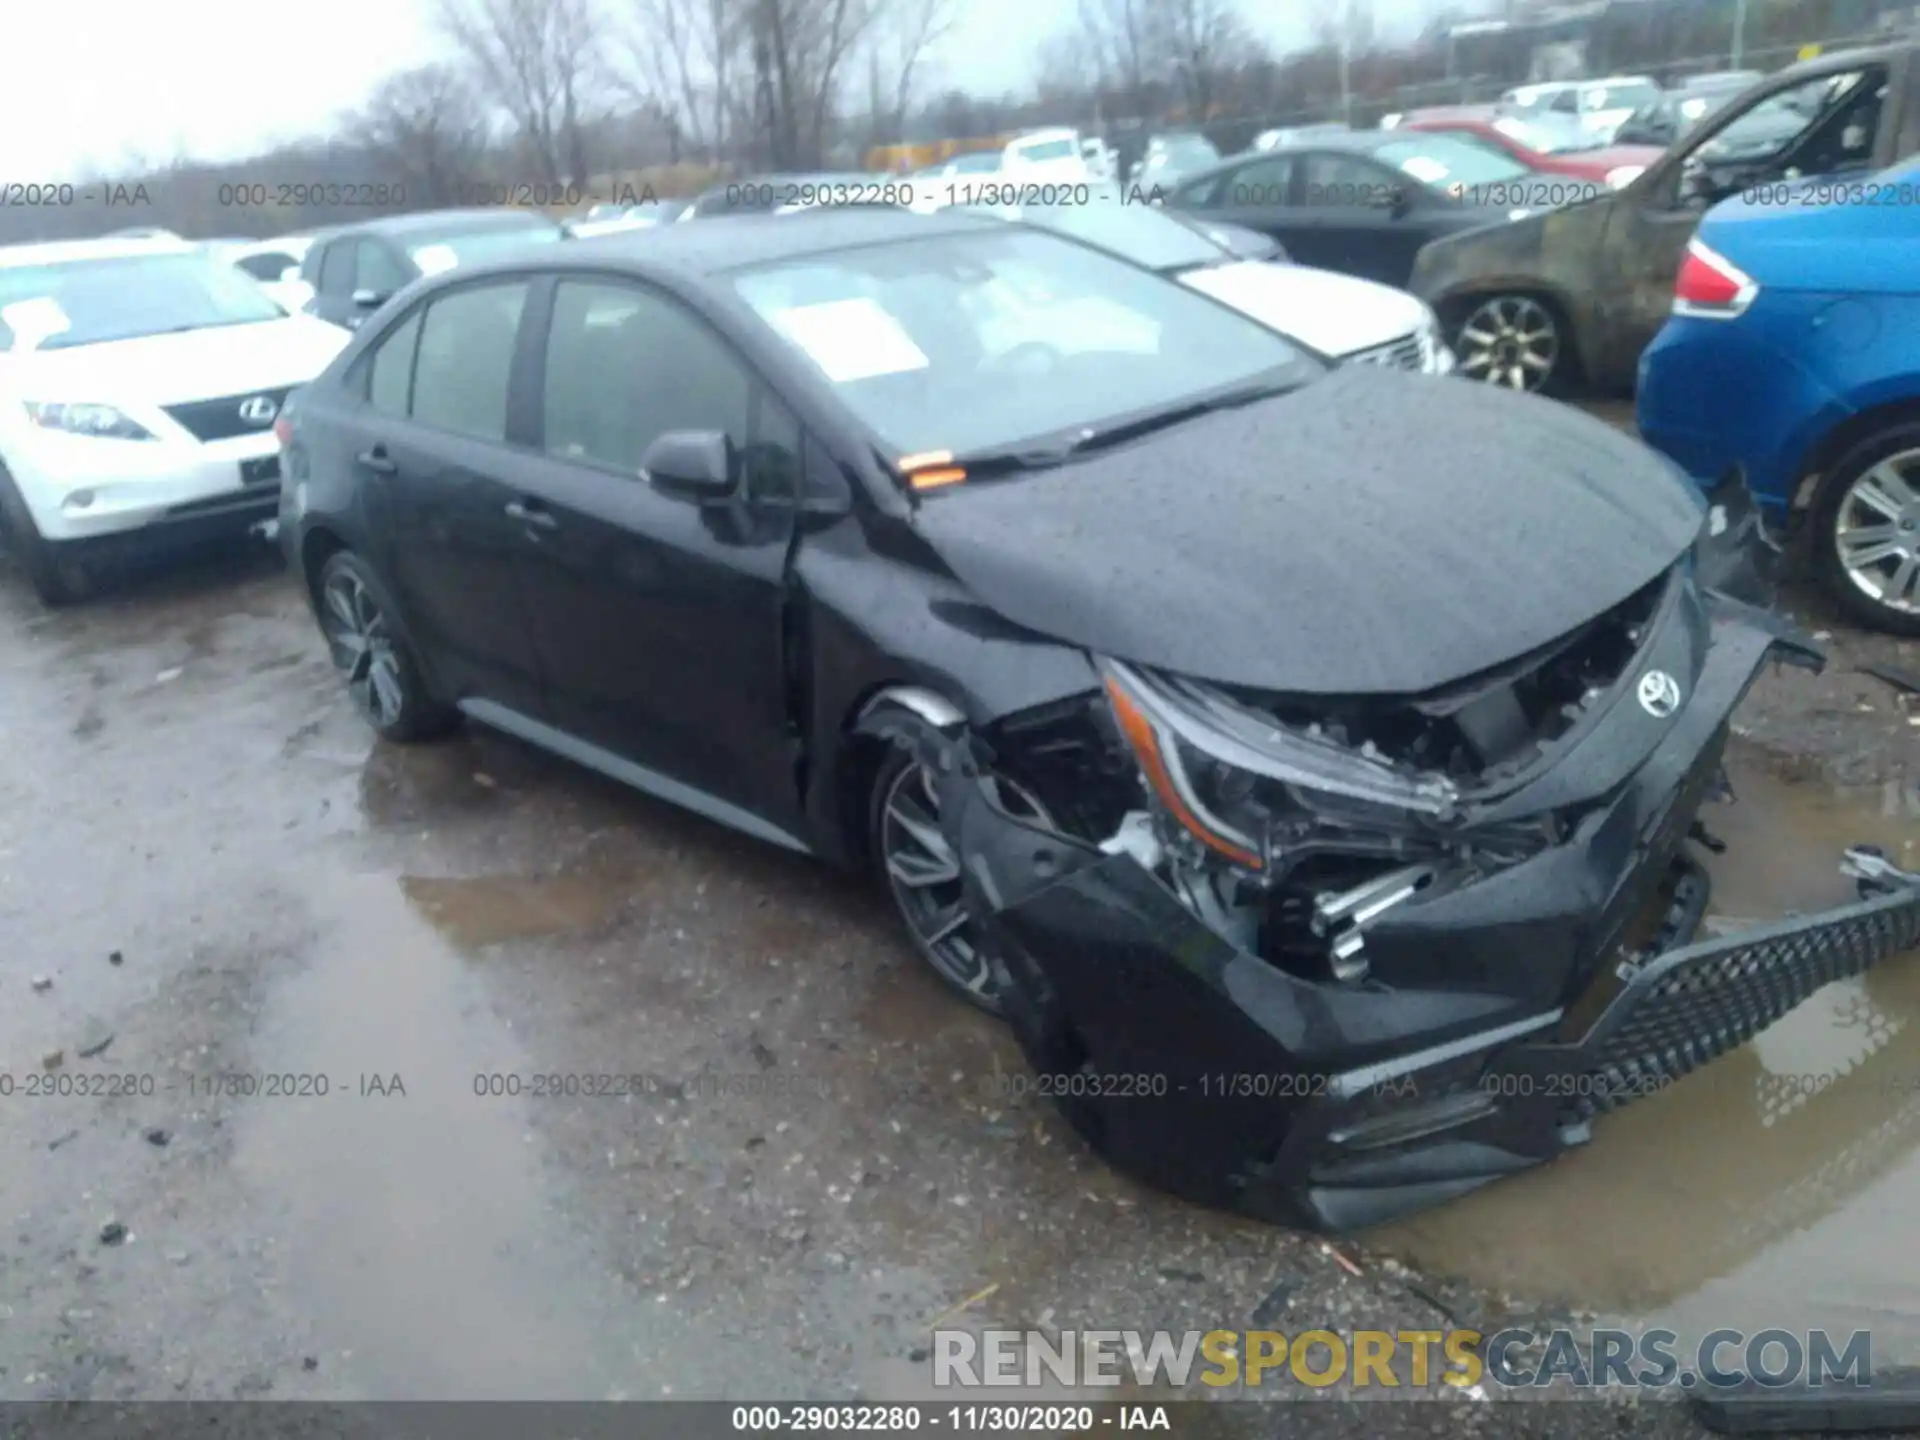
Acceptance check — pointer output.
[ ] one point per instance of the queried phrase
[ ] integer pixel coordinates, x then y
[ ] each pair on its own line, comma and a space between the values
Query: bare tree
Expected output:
1123, 39
533, 58
683, 57
428, 127
796, 50
1205, 40
903, 32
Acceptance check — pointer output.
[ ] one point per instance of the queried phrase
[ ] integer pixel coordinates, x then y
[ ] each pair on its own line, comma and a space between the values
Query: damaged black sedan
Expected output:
1305, 762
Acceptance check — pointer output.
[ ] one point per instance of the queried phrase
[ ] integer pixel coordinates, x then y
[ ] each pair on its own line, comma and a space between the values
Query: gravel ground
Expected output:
221, 874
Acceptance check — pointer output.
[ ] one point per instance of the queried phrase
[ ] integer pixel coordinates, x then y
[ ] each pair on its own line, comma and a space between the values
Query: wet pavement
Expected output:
478, 1076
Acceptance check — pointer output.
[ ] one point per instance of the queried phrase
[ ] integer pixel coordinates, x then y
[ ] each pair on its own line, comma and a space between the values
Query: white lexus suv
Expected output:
139, 384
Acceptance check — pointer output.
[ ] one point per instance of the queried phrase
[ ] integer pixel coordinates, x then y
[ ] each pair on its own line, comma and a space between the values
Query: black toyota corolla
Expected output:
1305, 761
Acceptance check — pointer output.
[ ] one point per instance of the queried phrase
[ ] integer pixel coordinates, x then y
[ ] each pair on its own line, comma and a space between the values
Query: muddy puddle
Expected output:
1776, 1186
420, 1229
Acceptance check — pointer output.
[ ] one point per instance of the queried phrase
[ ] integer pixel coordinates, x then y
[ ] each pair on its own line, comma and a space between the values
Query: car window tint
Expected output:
1843, 109
1345, 181
466, 357
626, 365
379, 271
336, 269
1264, 182
390, 381
1567, 101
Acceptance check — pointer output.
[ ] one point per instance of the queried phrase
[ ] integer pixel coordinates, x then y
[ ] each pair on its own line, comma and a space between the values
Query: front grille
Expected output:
1406, 353
1692, 1005
221, 420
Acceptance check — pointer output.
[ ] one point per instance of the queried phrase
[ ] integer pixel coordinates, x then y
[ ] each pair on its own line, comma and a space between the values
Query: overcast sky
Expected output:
97, 83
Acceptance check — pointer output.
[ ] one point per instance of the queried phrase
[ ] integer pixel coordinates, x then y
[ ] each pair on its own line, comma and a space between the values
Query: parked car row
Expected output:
1046, 563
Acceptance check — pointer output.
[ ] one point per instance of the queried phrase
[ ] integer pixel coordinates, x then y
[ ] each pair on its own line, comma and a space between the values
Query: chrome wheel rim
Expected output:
362, 646
923, 872
1876, 532
1511, 340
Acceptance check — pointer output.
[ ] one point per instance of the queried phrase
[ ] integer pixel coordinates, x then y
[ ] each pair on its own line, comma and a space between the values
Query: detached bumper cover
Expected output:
1693, 1005
1510, 1023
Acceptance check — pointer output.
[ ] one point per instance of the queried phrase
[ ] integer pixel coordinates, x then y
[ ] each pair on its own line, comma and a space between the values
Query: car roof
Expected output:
789, 177
427, 221
730, 242
62, 252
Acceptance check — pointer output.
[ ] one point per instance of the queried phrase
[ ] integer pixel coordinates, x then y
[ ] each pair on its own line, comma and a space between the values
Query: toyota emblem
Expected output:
258, 410
1659, 694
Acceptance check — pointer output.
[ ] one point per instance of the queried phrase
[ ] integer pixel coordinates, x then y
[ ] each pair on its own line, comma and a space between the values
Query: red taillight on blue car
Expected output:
1710, 286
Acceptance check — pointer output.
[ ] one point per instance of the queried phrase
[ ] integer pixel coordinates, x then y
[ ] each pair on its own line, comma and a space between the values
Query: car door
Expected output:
437, 467
658, 618
1357, 217
1647, 234
1258, 195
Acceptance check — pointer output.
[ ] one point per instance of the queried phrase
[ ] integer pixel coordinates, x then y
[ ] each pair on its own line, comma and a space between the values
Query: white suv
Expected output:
139, 384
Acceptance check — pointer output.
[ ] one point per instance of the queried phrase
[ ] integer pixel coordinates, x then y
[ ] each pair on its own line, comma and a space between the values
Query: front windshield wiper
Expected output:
1087, 439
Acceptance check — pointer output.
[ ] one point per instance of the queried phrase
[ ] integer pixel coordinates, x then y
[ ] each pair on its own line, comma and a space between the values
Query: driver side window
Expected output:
1824, 126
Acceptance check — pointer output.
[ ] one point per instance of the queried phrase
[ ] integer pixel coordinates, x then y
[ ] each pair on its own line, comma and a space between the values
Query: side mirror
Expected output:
1397, 202
693, 464
369, 299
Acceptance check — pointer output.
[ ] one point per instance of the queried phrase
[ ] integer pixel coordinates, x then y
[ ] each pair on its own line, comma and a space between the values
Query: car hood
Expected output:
193, 365
1371, 533
1556, 245
1334, 314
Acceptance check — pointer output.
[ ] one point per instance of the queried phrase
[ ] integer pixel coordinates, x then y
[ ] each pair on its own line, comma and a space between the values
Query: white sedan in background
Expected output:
1349, 320
139, 385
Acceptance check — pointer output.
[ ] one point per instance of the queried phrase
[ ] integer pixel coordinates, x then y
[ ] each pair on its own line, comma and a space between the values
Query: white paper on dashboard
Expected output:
851, 339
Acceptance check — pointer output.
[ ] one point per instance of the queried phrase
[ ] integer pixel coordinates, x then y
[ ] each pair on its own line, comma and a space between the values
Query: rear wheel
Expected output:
1865, 530
59, 575
381, 673
922, 872
1518, 342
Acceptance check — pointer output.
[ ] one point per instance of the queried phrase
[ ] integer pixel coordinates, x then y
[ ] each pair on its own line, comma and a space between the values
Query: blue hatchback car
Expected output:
1792, 360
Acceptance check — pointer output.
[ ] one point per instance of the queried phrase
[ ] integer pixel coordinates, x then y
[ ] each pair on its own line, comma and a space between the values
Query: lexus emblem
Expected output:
1659, 694
259, 410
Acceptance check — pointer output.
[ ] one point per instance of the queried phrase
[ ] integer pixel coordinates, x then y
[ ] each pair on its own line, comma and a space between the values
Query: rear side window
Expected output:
466, 359
390, 381
625, 365
1264, 182
336, 269
379, 270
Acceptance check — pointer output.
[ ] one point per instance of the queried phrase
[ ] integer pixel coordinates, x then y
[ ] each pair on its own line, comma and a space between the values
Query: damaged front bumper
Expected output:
1495, 1022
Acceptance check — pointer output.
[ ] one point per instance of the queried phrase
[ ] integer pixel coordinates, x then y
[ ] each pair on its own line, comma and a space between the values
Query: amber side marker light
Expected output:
934, 479
1146, 744
930, 469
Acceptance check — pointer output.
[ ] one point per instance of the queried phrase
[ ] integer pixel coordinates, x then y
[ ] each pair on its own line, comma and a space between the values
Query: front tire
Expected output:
921, 870
58, 574
1865, 530
382, 675
1516, 341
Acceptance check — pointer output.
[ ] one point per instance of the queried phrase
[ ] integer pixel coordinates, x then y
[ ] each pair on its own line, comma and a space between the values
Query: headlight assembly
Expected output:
101, 422
1250, 790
